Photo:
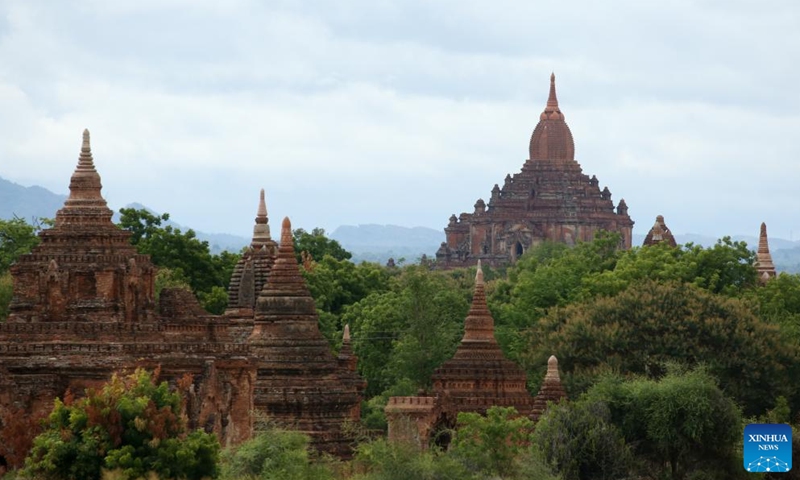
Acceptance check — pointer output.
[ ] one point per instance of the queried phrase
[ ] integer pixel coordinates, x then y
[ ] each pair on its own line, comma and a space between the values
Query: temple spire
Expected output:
764, 265
85, 203
479, 324
261, 235
346, 334
552, 101
551, 390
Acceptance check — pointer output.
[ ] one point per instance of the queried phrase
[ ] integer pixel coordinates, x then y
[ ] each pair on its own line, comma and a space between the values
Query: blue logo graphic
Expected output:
767, 447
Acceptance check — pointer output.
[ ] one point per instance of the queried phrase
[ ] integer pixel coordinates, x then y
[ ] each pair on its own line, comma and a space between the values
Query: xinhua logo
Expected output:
767, 447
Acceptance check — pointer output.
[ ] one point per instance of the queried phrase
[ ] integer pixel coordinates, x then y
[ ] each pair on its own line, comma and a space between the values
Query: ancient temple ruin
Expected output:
477, 378
549, 199
659, 233
84, 306
764, 265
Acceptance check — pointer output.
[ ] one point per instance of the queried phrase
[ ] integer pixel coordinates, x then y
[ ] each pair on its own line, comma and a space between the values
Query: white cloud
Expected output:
404, 112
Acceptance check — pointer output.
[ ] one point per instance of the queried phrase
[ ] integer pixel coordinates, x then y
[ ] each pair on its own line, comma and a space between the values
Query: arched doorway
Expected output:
442, 432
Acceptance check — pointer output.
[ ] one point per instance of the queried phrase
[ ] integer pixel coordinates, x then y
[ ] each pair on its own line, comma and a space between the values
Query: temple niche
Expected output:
477, 378
549, 199
84, 307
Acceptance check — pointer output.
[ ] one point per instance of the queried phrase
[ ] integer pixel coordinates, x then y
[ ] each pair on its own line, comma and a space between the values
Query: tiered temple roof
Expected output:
549, 199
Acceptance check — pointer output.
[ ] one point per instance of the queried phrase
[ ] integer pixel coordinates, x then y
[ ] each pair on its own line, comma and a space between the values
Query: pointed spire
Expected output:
85, 203
479, 324
262, 208
261, 235
551, 390
551, 139
286, 283
287, 242
764, 265
346, 334
552, 369
552, 101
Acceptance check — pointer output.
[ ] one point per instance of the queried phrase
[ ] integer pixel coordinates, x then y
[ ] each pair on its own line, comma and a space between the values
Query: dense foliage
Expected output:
132, 426
17, 237
188, 259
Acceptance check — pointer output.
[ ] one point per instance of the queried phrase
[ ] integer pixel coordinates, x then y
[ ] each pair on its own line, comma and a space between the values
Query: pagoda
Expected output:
550, 199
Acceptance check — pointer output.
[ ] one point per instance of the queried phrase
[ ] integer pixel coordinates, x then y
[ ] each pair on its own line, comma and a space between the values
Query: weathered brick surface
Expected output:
549, 199
84, 307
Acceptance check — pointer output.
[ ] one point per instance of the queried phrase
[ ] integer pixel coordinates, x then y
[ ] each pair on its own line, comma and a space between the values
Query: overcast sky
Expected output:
404, 112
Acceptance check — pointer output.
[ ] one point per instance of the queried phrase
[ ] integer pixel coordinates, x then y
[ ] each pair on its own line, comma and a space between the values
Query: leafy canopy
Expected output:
132, 425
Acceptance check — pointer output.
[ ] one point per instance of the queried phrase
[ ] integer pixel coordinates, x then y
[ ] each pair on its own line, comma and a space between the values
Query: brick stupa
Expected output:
551, 390
479, 376
251, 271
84, 269
299, 382
659, 233
549, 199
764, 265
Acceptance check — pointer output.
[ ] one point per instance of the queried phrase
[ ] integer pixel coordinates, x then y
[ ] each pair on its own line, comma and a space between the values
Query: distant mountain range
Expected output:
32, 203
379, 243
29, 203
370, 242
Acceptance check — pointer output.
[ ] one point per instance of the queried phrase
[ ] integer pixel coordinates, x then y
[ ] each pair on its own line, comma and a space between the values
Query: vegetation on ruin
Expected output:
132, 426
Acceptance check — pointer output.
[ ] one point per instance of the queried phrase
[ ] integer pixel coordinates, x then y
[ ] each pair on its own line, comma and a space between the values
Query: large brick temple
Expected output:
549, 199
84, 306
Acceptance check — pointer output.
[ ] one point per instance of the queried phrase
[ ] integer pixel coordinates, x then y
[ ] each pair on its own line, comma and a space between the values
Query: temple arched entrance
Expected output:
442, 432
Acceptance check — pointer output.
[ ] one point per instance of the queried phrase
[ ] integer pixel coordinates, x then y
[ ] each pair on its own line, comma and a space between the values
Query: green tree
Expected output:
316, 244
492, 444
580, 441
274, 454
338, 284
6, 293
548, 275
408, 331
649, 325
725, 268
131, 425
181, 252
17, 237
382, 460
683, 421
778, 302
